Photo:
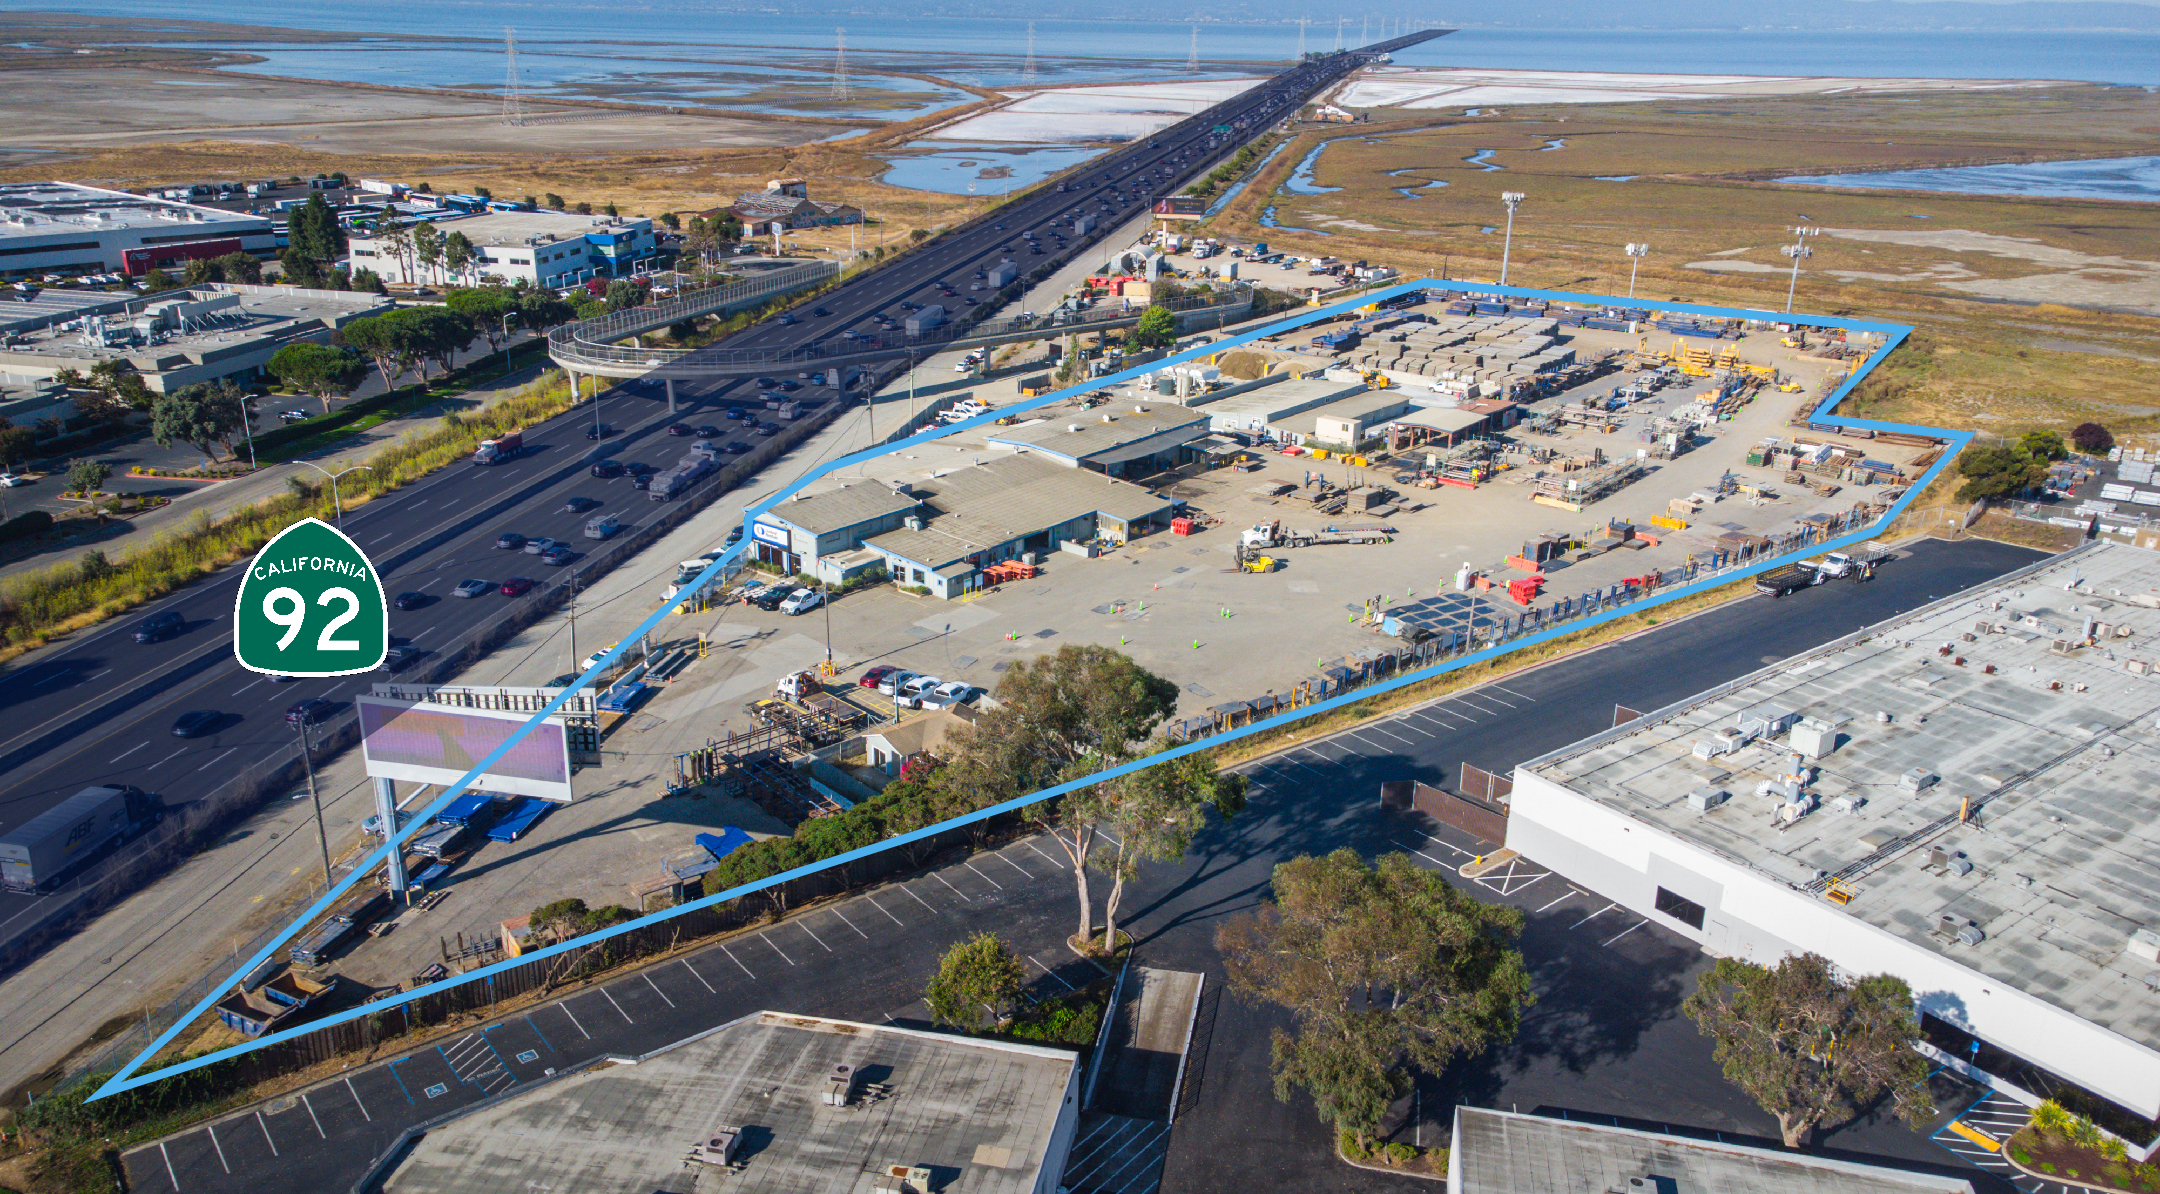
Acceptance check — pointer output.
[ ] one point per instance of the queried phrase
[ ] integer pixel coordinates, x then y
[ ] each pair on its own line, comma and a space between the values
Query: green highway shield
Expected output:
311, 605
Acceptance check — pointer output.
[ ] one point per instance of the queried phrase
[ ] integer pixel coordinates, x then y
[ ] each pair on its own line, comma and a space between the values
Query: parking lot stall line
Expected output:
311, 1115
647, 976
985, 878
693, 974
918, 899
172, 1176
1052, 973
618, 1007
1511, 692
1624, 932
1054, 862
355, 1091
1009, 862
767, 939
851, 924
1555, 900
211, 1129
564, 1005
266, 1133
738, 961
804, 926
1593, 916
392, 1067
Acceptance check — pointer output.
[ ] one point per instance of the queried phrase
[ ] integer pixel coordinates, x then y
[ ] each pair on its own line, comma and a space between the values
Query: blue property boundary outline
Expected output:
1893, 334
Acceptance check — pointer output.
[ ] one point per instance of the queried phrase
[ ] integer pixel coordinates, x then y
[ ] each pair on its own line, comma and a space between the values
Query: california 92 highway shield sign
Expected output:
311, 605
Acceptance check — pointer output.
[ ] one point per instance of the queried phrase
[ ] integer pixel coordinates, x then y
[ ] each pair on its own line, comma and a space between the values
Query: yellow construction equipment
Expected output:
1377, 380
1260, 564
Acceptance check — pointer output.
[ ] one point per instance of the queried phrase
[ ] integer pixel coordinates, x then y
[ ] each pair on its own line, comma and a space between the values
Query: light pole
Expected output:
509, 349
337, 502
322, 836
1513, 199
1635, 255
1797, 250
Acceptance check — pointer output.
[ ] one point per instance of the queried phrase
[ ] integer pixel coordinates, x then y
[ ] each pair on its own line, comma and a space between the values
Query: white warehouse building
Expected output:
62, 227
546, 248
1964, 797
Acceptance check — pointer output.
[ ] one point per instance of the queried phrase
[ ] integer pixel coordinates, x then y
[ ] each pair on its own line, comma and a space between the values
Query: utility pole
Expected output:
1797, 250
322, 836
1513, 199
574, 668
1635, 255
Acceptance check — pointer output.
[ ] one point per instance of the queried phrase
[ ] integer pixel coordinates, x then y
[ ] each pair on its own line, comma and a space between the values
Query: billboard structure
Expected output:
425, 743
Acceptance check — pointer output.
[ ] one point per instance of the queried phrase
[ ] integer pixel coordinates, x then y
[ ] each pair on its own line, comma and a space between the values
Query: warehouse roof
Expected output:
838, 509
2047, 750
41, 209
1497, 1152
1444, 419
984, 1111
1002, 500
1288, 397
502, 229
1087, 437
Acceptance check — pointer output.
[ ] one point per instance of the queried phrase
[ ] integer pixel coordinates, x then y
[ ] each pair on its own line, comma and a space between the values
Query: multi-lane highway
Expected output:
101, 709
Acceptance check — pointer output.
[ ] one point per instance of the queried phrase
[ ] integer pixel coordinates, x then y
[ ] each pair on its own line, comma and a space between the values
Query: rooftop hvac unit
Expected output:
912, 522
1950, 927
1916, 780
840, 1085
1814, 738
718, 1148
2145, 944
1847, 804
1702, 800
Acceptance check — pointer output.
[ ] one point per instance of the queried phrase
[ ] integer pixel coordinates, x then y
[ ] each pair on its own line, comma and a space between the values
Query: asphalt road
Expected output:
81, 715
1606, 1038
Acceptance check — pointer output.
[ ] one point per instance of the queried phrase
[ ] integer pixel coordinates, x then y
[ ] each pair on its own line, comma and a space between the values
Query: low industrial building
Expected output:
547, 248
1253, 411
1346, 424
773, 1104
63, 227
822, 534
1020, 507
179, 337
1132, 441
1962, 797
1502, 1152
785, 204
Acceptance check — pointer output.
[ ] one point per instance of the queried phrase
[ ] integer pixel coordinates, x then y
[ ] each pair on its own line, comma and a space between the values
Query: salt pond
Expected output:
2099, 178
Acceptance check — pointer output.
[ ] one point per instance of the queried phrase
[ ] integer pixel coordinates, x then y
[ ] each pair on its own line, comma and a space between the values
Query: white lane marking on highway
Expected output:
212, 763
163, 1152
1593, 916
212, 1129
738, 961
948, 883
767, 939
1563, 895
60, 675
311, 1115
565, 1006
694, 974
1052, 973
880, 907
618, 1007
918, 899
985, 878
169, 758
1631, 928
130, 750
647, 976
1009, 862
851, 924
356, 1100
250, 684
1053, 862
266, 1133
95, 675
420, 503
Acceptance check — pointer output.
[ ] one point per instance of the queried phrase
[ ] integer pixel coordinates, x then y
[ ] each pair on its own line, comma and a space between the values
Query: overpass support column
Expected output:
671, 395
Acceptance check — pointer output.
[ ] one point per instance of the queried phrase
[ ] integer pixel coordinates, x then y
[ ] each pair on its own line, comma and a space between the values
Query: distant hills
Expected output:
1798, 15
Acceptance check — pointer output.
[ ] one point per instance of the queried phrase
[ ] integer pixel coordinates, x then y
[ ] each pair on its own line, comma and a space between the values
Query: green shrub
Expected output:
1068, 1020
1400, 1154
1348, 1143
25, 526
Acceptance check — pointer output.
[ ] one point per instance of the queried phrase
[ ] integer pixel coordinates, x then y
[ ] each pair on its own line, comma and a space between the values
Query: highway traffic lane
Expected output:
865, 958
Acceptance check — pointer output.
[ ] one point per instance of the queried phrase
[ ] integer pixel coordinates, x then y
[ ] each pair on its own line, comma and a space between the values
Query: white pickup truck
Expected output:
1840, 564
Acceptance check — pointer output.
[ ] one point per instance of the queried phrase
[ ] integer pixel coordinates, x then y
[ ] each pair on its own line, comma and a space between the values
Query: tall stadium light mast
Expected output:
840, 88
513, 108
1513, 199
1797, 251
1635, 255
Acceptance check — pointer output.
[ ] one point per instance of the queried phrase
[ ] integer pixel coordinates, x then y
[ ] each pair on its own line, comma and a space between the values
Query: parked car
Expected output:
159, 626
768, 598
470, 588
802, 601
890, 685
945, 696
196, 722
607, 468
875, 676
10, 480
588, 663
308, 712
509, 541
517, 586
410, 600
911, 693
558, 555
292, 416
373, 825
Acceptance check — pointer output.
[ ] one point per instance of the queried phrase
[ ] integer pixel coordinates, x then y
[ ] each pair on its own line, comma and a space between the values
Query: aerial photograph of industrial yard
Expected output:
1486, 598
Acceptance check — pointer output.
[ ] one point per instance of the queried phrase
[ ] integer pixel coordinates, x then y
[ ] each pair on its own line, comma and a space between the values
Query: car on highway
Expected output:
709, 432
579, 505
607, 468
410, 600
599, 431
196, 722
737, 413
470, 588
159, 626
768, 598
802, 601
509, 541
399, 657
787, 319
768, 429
540, 546
641, 481
875, 676
681, 429
766, 383
911, 693
308, 712
735, 447
785, 386
517, 586
558, 555
820, 312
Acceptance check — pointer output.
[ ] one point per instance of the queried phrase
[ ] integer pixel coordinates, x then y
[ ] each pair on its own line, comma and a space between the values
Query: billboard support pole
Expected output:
386, 809
307, 757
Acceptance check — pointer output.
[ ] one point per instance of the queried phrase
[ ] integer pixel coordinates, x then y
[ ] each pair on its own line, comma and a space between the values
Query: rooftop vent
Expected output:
1702, 800
1917, 780
903, 1179
840, 1085
2144, 943
1651, 1183
1950, 927
913, 522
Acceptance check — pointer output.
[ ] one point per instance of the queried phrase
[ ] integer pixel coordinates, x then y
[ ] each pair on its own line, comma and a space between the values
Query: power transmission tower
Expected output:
1301, 38
1365, 38
1338, 34
1192, 60
840, 90
1027, 67
513, 108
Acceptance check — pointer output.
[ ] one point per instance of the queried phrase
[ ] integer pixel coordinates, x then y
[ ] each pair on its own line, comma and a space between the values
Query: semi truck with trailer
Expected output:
37, 852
